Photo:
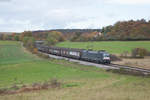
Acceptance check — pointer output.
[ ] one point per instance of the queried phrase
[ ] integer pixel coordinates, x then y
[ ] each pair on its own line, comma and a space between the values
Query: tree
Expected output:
128, 30
76, 36
51, 41
13, 35
16, 37
5, 37
54, 37
1, 36
29, 42
25, 34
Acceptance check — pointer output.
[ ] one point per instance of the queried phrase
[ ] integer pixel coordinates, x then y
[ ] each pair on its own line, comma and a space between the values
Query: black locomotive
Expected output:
81, 54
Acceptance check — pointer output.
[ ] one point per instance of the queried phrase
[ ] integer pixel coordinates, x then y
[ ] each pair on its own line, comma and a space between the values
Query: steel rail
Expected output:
146, 71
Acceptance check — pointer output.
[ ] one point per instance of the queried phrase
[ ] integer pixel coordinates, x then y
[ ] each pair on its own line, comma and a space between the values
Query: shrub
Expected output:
114, 58
139, 52
3, 91
14, 87
125, 54
35, 50
42, 55
16, 37
55, 83
148, 53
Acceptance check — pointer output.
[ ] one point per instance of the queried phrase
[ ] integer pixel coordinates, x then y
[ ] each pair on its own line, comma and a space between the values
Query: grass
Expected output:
12, 52
111, 88
80, 82
38, 71
20, 67
116, 47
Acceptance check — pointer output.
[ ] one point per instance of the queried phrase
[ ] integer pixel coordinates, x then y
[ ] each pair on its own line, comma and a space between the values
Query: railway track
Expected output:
140, 71
132, 69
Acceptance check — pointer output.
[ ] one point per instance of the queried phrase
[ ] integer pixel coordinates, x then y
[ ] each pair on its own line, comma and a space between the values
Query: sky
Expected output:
30, 15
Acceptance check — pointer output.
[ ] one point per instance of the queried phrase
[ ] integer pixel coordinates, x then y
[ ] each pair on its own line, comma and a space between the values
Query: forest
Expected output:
127, 30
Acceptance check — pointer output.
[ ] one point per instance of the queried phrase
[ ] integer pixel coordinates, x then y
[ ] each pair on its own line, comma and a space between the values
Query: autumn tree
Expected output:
128, 30
29, 42
25, 34
1, 36
76, 36
54, 37
16, 37
13, 35
5, 37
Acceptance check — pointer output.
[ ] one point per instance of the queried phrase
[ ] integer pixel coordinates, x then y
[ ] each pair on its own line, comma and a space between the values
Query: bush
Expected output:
55, 83
139, 53
114, 58
42, 55
35, 50
148, 53
125, 54
15, 87
16, 37
3, 91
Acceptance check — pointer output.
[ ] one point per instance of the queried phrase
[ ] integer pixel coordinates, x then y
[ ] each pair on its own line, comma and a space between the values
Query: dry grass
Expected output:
143, 63
92, 89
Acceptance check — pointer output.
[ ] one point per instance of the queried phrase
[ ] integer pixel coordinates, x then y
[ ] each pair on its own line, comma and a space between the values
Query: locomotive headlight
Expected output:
106, 58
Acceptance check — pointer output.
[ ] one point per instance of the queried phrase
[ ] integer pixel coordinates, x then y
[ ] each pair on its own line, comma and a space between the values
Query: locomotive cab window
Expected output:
106, 55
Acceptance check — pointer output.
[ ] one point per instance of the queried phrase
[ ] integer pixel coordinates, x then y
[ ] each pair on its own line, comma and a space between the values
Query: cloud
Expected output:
90, 23
5, 0
19, 25
130, 2
82, 24
20, 15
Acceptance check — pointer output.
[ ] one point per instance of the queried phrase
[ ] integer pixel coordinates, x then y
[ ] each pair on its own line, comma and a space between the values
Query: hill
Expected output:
6, 32
66, 31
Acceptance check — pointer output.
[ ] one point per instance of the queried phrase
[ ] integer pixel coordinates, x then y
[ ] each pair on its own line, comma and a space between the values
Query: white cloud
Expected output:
58, 13
93, 23
19, 25
20, 15
79, 25
135, 2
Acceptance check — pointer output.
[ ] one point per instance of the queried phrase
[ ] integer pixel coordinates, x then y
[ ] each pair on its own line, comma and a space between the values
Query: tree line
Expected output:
28, 38
127, 30
122, 30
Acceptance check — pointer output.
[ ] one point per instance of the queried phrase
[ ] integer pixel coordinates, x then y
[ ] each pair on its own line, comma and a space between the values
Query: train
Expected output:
101, 56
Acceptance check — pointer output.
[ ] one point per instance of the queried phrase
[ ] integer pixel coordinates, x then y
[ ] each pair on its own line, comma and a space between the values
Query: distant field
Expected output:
9, 43
12, 52
110, 46
80, 82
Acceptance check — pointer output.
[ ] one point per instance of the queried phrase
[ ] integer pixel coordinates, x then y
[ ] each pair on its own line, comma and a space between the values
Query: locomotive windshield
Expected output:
106, 55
